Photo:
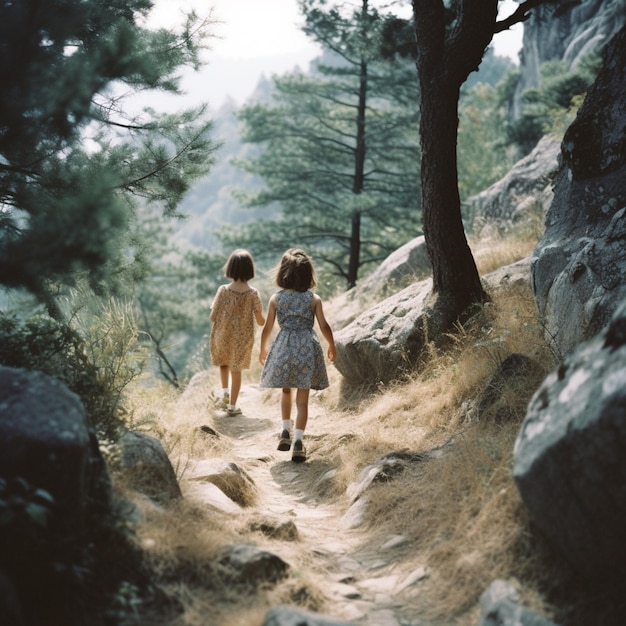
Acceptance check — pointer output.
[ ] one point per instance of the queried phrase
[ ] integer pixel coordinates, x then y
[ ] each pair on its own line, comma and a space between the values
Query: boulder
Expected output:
47, 441
228, 477
404, 266
384, 343
289, 616
524, 193
579, 265
567, 34
569, 457
247, 564
145, 467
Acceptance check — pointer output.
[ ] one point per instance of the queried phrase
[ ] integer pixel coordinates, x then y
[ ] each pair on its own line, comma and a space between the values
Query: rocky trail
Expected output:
361, 577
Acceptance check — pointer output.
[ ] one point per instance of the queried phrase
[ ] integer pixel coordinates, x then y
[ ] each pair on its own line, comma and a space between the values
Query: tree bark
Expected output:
447, 51
444, 60
359, 163
355, 249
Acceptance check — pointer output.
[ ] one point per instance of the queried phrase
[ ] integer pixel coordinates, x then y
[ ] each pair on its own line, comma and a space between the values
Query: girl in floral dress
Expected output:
233, 313
296, 359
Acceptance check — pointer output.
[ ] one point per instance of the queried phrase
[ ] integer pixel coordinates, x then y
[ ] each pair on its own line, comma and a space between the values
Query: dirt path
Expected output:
363, 580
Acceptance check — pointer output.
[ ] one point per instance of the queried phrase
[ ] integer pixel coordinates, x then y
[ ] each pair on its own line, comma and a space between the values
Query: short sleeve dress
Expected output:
296, 358
232, 333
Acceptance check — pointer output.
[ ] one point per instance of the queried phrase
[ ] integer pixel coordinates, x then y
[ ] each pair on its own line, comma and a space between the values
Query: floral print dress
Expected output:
296, 358
232, 333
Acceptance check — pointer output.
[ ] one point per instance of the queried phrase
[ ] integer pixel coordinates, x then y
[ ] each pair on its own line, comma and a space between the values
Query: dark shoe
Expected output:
285, 442
299, 452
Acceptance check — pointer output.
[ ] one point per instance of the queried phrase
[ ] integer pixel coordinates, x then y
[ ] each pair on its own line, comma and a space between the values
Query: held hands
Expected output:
263, 355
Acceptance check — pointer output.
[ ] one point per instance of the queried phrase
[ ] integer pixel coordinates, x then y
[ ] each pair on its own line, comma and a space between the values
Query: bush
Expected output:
96, 364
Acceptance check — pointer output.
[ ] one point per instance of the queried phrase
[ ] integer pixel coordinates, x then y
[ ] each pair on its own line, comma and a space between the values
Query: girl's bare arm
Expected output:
325, 328
267, 330
258, 314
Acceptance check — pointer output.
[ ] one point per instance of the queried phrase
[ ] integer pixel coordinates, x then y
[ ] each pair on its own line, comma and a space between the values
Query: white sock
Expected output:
232, 407
225, 392
287, 425
298, 433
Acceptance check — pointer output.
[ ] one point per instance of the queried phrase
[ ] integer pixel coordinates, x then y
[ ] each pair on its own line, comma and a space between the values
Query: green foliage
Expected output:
170, 301
76, 156
338, 152
483, 157
95, 357
94, 576
547, 106
24, 512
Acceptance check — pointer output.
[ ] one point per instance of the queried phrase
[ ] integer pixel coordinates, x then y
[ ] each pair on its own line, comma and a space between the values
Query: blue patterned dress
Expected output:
295, 358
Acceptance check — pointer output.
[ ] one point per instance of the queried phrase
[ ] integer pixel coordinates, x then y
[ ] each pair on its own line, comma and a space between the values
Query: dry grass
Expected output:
461, 512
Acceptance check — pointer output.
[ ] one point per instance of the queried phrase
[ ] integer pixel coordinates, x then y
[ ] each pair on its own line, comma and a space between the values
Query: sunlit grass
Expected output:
461, 512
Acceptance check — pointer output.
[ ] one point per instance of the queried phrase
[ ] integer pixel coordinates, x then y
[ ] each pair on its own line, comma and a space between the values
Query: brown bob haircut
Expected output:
295, 271
240, 266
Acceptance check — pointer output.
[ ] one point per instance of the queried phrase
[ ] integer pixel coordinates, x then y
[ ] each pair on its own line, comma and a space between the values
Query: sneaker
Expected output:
285, 441
234, 411
299, 452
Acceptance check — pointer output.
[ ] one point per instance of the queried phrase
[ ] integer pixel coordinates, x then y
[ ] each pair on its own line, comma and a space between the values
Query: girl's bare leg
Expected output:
302, 408
285, 404
224, 371
235, 387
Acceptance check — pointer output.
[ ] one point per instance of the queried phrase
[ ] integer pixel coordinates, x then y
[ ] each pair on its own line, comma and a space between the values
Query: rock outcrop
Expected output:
569, 455
579, 266
46, 440
565, 32
524, 193
146, 468
384, 342
404, 266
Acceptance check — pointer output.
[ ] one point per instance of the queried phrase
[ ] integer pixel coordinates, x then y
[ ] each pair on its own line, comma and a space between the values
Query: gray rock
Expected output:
579, 265
145, 466
499, 607
234, 482
569, 462
276, 529
404, 266
45, 438
522, 194
247, 564
568, 34
288, 616
383, 343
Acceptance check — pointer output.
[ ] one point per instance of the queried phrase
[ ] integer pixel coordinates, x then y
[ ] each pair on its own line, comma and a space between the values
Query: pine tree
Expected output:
77, 159
339, 151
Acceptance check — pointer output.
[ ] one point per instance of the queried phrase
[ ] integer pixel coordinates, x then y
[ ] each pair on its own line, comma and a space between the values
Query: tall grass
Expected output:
460, 513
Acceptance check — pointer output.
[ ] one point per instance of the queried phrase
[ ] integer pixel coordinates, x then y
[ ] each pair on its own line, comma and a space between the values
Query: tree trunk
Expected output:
358, 180
443, 65
456, 282
355, 249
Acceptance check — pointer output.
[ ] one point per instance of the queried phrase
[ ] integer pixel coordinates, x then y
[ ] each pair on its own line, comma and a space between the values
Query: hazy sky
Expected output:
255, 37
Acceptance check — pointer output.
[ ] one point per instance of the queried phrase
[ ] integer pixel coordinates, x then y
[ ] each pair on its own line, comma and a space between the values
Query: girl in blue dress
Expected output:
295, 359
